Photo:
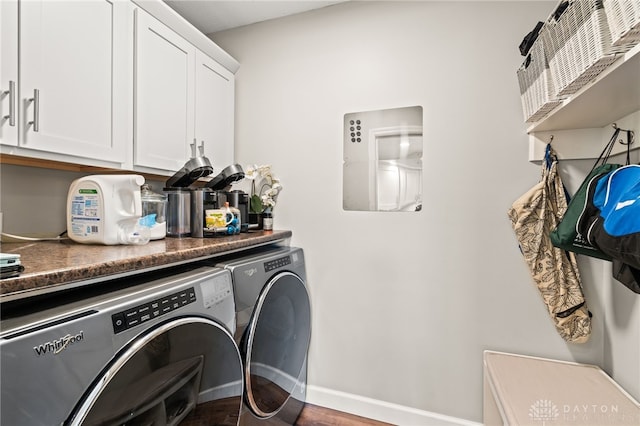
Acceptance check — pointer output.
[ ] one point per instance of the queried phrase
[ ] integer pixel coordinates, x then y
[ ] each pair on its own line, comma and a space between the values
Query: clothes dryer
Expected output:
273, 316
137, 351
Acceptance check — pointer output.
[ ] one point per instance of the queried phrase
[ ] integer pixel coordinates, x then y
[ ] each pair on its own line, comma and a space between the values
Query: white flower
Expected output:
265, 171
265, 186
267, 201
252, 172
276, 187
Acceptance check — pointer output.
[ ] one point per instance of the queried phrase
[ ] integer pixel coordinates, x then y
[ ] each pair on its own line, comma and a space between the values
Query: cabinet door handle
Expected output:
12, 103
36, 110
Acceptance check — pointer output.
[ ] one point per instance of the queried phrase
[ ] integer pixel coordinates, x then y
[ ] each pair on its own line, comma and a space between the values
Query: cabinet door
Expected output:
73, 77
214, 111
9, 72
163, 95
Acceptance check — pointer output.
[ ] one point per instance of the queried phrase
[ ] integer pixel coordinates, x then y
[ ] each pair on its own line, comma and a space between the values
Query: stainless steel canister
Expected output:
178, 212
201, 199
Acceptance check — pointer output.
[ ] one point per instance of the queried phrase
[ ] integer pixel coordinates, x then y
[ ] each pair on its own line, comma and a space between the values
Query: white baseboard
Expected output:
379, 410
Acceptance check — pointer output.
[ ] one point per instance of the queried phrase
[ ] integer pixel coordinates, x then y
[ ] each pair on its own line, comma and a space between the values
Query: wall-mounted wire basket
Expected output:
577, 42
623, 17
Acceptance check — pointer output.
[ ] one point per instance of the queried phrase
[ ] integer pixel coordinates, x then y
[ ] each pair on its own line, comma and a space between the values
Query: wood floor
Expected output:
313, 415
223, 413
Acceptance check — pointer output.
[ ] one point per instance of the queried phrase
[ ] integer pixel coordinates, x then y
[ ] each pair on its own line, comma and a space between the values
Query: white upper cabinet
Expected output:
164, 95
214, 112
112, 83
72, 86
182, 96
9, 72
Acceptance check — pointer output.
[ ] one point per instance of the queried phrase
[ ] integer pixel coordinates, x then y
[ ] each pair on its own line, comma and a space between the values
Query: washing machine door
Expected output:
275, 344
160, 376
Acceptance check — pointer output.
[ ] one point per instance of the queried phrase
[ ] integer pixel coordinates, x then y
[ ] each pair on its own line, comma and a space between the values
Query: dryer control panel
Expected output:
277, 263
150, 310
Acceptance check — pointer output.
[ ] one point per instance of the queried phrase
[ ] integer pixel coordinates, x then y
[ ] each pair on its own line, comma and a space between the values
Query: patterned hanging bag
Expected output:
555, 271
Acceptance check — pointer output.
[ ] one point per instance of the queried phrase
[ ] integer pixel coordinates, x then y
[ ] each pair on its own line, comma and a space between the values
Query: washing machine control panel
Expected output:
150, 310
277, 263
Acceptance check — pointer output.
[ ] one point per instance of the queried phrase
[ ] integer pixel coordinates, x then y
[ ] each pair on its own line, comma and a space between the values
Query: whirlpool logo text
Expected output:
56, 346
250, 272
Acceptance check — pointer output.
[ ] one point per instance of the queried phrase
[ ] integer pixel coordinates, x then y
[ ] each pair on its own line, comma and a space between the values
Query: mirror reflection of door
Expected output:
398, 169
382, 169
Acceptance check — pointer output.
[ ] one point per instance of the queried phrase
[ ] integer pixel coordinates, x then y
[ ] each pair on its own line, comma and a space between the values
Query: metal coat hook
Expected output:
630, 135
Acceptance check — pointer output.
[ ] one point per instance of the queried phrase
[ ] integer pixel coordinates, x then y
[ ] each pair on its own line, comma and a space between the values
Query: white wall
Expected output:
34, 200
405, 303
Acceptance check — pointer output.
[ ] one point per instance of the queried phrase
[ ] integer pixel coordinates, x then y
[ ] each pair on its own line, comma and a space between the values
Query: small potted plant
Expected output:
265, 188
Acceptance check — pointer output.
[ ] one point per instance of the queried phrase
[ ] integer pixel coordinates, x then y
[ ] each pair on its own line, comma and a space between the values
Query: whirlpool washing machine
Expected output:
135, 351
273, 333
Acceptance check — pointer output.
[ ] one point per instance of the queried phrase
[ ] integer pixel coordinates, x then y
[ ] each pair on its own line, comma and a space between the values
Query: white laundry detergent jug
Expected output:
106, 209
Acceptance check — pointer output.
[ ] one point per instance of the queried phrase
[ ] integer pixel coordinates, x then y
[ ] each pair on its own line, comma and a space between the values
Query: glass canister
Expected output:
154, 208
178, 212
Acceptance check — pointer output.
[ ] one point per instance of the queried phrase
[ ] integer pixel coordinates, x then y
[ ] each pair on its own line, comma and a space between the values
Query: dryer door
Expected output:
276, 343
162, 374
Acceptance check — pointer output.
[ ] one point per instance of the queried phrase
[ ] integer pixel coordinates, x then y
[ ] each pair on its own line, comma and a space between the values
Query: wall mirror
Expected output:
382, 160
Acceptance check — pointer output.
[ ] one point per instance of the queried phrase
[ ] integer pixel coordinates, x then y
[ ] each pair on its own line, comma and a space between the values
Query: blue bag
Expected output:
611, 219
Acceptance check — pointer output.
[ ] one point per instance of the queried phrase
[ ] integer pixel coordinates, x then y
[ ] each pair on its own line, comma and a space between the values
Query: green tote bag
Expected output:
565, 235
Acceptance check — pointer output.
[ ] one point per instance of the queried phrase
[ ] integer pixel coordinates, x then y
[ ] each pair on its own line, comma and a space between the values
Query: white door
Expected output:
163, 95
73, 74
214, 111
9, 72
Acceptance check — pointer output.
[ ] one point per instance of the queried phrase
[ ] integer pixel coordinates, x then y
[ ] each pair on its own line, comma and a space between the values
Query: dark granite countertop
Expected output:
52, 265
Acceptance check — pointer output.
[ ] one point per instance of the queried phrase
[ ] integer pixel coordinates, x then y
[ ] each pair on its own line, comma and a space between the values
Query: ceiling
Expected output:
211, 16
